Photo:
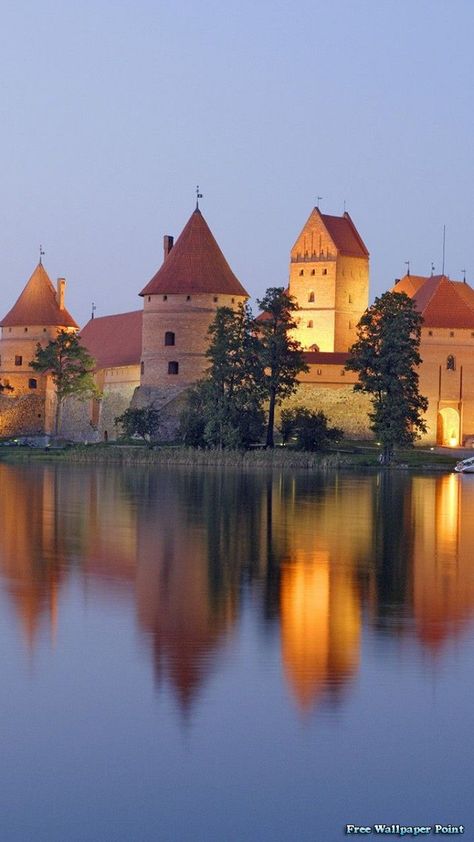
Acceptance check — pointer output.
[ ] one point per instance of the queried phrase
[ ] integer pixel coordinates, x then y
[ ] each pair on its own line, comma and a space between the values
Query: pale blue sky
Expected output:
113, 111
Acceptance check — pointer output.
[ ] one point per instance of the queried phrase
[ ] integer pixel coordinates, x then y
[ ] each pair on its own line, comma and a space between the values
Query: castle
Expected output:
154, 354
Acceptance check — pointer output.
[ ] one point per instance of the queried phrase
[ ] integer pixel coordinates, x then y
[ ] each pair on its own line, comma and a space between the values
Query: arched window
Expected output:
32, 383
451, 363
142, 367
311, 296
173, 367
169, 337
310, 323
301, 272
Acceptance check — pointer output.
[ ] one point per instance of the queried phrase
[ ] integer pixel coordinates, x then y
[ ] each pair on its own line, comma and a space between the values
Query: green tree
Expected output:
71, 368
386, 356
225, 409
281, 355
143, 422
310, 429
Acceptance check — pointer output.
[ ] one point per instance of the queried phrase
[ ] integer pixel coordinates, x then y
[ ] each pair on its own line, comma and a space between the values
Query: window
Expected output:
301, 272
311, 296
165, 298
313, 271
319, 371
169, 337
233, 301
451, 332
343, 372
215, 299
44, 330
26, 330
18, 360
32, 383
310, 323
149, 298
173, 367
142, 367
430, 333
325, 271
451, 363
188, 298
350, 299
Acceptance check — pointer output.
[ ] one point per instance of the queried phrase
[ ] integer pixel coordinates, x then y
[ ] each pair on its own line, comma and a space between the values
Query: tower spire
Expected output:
41, 255
198, 196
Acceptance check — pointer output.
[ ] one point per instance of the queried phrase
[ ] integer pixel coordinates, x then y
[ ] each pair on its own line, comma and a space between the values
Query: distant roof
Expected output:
195, 264
114, 340
38, 304
441, 302
325, 357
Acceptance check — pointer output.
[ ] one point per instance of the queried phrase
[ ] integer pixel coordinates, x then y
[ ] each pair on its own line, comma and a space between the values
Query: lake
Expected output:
226, 655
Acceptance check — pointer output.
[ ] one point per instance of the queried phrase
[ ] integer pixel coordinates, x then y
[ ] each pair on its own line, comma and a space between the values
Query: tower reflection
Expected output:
314, 554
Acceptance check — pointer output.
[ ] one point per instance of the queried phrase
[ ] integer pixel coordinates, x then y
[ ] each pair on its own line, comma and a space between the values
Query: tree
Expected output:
282, 356
143, 422
310, 429
71, 369
225, 409
386, 357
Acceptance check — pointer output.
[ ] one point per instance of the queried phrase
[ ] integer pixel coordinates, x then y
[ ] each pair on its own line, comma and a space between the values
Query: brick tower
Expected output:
329, 278
180, 302
27, 399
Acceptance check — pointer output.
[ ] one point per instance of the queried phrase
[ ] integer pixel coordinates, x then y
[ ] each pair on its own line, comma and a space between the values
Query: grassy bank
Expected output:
350, 456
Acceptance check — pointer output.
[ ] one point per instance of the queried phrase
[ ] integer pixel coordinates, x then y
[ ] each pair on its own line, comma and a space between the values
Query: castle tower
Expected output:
180, 303
37, 317
329, 278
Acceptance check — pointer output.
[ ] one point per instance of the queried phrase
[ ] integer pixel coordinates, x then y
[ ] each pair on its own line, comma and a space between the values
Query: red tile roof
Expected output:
442, 302
195, 264
38, 305
325, 357
114, 340
344, 234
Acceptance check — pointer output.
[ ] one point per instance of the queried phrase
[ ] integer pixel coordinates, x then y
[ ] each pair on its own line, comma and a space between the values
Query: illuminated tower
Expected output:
36, 317
329, 278
180, 302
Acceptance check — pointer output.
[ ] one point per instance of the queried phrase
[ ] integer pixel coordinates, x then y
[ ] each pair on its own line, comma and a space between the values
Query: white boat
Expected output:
466, 466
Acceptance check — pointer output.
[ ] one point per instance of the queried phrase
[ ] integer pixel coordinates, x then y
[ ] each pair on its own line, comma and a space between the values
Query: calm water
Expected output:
227, 656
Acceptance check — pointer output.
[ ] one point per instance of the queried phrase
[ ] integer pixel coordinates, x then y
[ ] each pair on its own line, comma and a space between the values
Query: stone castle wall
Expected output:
343, 407
24, 415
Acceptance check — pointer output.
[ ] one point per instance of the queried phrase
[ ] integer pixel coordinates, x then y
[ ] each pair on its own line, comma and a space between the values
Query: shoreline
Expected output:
112, 454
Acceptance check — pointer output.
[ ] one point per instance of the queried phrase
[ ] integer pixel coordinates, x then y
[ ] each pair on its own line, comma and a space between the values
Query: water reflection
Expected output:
315, 555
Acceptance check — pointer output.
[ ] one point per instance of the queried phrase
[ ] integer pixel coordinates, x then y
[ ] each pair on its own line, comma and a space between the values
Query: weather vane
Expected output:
198, 196
407, 264
318, 200
41, 255
94, 308
464, 275
432, 269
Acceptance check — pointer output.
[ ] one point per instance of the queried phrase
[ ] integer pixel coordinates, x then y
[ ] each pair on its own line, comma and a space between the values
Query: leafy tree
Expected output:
310, 429
386, 357
225, 409
71, 369
143, 422
281, 355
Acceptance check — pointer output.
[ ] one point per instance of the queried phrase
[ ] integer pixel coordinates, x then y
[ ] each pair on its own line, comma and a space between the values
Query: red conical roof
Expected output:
195, 264
38, 304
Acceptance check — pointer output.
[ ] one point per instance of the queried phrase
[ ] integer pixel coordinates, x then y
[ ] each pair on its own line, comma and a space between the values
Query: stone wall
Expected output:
343, 407
24, 415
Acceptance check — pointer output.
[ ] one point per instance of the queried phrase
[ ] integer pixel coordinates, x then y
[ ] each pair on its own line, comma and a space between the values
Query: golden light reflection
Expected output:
320, 626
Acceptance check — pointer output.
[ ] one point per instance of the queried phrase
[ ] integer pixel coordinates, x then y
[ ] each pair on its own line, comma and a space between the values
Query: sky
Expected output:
112, 112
